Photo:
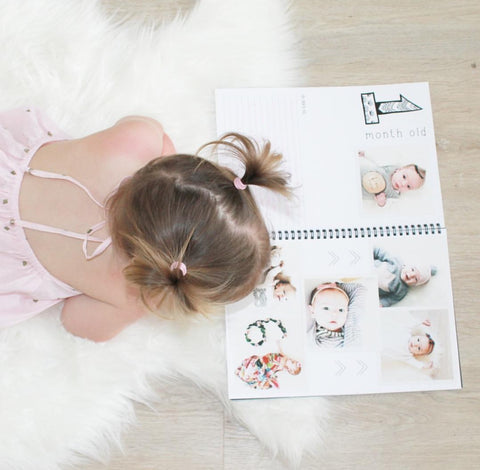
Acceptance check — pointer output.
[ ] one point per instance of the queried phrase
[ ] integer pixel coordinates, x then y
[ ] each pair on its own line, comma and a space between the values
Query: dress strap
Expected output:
85, 237
57, 176
104, 244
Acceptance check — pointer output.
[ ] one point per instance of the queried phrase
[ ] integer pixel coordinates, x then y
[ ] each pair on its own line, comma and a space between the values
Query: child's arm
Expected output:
98, 321
383, 256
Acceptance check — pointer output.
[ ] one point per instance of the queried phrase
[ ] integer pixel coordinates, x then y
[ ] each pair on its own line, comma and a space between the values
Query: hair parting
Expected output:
191, 238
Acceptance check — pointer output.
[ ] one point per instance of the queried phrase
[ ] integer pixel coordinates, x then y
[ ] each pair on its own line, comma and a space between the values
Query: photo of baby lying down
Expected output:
261, 372
384, 182
414, 344
277, 285
333, 312
396, 278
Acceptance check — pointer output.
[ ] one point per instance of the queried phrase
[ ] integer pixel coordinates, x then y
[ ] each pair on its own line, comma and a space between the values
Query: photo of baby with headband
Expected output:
333, 313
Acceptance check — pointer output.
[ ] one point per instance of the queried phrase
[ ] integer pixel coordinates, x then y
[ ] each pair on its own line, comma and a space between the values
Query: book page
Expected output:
359, 156
282, 341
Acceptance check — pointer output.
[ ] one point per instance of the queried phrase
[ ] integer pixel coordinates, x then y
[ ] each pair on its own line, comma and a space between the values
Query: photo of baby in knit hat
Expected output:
396, 278
411, 271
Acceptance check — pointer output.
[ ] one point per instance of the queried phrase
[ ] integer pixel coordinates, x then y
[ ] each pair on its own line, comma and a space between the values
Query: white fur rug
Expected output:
63, 398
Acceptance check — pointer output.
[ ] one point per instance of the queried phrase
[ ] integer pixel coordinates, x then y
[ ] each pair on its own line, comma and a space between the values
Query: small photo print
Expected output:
415, 345
396, 180
412, 271
277, 286
336, 312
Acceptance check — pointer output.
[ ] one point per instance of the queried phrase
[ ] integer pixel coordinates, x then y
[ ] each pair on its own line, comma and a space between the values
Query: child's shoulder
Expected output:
138, 138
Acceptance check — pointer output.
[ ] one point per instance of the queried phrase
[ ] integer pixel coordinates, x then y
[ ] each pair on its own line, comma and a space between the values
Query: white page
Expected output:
320, 132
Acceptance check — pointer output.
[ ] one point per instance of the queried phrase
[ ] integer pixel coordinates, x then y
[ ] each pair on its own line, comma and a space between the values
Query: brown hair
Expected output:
420, 172
186, 209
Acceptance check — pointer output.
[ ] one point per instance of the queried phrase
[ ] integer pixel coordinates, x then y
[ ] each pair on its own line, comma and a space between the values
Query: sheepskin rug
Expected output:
63, 399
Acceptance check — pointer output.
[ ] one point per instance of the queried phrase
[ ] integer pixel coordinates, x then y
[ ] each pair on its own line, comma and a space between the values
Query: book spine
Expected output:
357, 232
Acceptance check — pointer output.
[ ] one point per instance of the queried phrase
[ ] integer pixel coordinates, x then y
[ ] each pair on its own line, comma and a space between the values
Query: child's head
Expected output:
408, 178
283, 287
421, 345
417, 275
292, 366
191, 236
329, 306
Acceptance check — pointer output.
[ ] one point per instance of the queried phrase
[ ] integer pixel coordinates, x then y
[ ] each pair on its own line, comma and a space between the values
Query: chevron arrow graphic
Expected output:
355, 256
341, 368
363, 367
373, 109
334, 256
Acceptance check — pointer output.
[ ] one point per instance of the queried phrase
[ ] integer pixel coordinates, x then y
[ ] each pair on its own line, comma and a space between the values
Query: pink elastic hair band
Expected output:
178, 265
239, 184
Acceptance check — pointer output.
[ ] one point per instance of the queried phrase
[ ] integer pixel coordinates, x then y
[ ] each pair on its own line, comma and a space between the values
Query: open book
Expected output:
358, 296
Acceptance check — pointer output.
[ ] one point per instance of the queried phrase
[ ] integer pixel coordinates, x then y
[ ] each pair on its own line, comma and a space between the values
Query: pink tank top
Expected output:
26, 287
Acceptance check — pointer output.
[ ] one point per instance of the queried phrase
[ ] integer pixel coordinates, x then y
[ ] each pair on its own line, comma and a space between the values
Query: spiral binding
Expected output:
357, 232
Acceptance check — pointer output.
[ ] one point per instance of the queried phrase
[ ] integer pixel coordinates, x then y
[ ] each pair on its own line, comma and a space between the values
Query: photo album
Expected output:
357, 298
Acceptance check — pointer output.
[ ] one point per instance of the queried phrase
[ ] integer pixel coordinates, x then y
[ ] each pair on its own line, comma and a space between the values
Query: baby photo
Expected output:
277, 286
411, 271
333, 311
415, 345
397, 180
267, 354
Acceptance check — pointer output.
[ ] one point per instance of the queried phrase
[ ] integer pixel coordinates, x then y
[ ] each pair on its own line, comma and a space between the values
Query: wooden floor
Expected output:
354, 42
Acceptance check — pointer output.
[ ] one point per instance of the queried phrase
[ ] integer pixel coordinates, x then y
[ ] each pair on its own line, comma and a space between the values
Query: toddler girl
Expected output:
102, 222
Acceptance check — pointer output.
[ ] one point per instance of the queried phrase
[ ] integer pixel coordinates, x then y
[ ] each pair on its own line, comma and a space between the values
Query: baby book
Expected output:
357, 297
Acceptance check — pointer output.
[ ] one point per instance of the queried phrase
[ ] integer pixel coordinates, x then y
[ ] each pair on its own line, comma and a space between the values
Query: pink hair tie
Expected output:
239, 184
178, 265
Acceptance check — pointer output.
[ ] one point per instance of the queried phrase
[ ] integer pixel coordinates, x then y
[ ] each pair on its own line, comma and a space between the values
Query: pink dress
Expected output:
26, 287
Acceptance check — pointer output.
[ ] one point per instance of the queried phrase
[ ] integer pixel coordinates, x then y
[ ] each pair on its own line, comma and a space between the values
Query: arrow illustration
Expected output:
334, 256
341, 368
363, 367
356, 257
372, 110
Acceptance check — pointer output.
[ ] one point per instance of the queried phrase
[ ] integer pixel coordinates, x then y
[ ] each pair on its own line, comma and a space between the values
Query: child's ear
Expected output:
310, 309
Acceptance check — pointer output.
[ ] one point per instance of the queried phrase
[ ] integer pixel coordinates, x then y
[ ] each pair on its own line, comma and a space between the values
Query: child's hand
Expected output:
428, 365
427, 322
381, 199
361, 154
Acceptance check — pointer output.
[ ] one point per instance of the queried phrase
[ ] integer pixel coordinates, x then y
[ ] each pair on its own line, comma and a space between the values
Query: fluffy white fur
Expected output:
63, 398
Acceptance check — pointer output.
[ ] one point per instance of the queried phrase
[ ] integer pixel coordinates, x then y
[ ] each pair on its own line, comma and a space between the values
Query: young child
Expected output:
408, 341
395, 278
329, 308
117, 232
388, 181
261, 372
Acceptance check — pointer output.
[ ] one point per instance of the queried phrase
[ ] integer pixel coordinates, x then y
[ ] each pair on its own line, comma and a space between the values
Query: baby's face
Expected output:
410, 275
406, 179
293, 367
419, 345
330, 309
282, 291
